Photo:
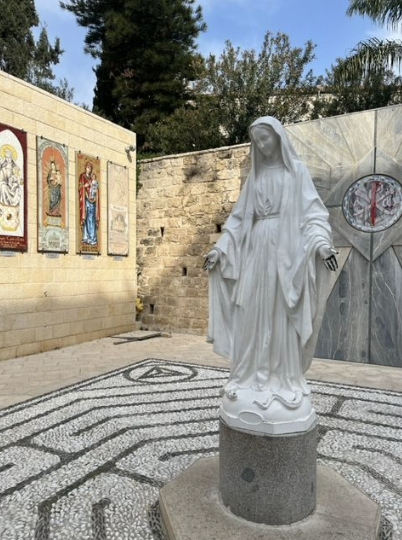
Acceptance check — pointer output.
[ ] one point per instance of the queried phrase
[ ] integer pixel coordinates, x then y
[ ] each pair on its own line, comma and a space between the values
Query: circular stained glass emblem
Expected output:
373, 203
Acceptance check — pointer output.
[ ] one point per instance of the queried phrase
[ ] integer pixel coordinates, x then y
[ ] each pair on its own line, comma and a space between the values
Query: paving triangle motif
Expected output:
159, 373
156, 372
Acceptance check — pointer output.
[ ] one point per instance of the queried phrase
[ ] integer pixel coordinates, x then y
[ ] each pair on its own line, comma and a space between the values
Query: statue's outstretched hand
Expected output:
211, 259
328, 256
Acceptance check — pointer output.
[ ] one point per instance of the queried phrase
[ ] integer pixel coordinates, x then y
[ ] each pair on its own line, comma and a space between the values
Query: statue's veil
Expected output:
289, 154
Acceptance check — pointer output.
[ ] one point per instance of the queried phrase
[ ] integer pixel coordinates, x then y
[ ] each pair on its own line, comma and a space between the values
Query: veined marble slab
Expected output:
384, 239
398, 253
344, 330
359, 169
387, 164
386, 311
389, 131
339, 140
359, 240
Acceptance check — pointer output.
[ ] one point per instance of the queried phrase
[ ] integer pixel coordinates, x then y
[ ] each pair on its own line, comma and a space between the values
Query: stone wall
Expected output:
182, 203
45, 302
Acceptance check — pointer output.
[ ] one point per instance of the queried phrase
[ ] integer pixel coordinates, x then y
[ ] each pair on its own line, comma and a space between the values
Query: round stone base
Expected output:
268, 479
191, 510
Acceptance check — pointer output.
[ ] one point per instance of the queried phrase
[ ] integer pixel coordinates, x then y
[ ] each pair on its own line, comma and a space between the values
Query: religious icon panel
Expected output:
88, 207
13, 193
118, 227
373, 203
52, 196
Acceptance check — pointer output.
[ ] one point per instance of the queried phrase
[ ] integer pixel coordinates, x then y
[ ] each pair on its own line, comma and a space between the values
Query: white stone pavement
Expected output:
30, 376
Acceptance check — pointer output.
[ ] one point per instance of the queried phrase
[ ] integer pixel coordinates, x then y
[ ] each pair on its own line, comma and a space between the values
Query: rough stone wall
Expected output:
183, 202
49, 303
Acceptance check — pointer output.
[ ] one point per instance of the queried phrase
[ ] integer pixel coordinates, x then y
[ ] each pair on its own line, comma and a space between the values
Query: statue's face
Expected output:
266, 140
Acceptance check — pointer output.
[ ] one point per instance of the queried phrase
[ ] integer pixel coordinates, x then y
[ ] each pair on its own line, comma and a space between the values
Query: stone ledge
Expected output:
191, 509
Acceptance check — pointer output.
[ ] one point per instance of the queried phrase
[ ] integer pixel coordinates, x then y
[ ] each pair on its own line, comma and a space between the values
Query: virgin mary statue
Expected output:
267, 273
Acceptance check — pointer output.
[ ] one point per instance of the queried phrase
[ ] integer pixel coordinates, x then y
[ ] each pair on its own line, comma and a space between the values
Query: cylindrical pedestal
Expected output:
268, 479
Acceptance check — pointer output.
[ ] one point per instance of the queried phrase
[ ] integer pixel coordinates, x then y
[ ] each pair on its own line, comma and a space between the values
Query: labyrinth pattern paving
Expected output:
86, 462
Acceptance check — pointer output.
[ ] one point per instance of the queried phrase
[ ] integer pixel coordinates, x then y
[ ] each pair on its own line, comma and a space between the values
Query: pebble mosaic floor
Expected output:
86, 462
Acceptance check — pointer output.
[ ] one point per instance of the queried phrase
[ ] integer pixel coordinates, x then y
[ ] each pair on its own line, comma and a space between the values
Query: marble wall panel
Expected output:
343, 254
358, 132
338, 239
324, 138
332, 147
362, 168
384, 239
386, 311
321, 171
344, 330
389, 131
398, 253
321, 174
342, 257
322, 149
386, 164
338, 236
346, 235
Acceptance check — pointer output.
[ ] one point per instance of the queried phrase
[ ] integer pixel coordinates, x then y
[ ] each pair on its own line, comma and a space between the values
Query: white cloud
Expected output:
383, 32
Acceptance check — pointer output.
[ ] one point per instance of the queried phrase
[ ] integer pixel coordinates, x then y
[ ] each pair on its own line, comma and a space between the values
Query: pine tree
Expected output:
21, 56
17, 43
147, 56
44, 56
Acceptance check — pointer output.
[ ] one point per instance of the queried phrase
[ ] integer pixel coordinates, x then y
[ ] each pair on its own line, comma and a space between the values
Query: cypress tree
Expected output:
21, 56
147, 56
17, 44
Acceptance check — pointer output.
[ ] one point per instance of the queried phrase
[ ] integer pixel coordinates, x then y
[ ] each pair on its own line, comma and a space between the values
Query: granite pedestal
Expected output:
191, 509
268, 479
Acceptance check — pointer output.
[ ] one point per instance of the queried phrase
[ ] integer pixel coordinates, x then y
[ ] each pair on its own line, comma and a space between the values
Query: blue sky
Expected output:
244, 22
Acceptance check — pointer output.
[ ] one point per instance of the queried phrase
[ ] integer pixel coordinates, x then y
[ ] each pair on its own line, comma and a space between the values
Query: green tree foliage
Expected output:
374, 55
387, 12
16, 39
40, 72
345, 95
21, 56
194, 126
235, 89
147, 56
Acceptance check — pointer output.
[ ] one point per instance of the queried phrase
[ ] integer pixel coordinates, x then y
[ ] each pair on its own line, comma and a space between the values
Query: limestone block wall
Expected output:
181, 206
46, 303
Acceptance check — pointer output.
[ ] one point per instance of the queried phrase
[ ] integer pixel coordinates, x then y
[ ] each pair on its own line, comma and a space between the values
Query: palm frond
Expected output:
369, 57
388, 12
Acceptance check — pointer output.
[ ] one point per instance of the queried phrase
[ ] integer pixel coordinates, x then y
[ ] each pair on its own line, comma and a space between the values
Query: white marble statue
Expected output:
267, 272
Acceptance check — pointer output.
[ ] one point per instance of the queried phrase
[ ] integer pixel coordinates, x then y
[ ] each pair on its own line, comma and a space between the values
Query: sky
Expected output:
243, 22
